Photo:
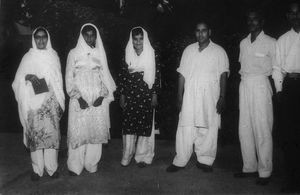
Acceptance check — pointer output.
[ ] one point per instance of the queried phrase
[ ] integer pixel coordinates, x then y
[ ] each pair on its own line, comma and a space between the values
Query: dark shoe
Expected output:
263, 181
204, 167
55, 175
141, 164
71, 173
245, 175
34, 177
172, 168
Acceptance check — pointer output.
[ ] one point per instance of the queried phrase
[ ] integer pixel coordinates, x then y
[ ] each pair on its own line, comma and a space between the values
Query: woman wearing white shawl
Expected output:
90, 87
40, 112
138, 85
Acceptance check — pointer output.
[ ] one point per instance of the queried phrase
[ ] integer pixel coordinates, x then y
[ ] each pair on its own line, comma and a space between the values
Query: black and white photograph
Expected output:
149, 97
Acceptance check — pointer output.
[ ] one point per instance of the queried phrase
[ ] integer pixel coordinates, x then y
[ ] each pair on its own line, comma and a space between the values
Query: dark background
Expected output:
170, 33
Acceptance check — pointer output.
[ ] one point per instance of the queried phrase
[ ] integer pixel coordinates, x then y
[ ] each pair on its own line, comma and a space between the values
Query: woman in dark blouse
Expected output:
138, 86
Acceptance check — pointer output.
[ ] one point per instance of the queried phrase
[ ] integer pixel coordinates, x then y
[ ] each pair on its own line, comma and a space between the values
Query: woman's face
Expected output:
41, 39
90, 38
137, 42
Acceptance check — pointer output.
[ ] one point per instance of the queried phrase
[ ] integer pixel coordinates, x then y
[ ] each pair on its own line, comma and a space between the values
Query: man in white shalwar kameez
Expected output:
257, 57
202, 76
287, 81
90, 87
40, 107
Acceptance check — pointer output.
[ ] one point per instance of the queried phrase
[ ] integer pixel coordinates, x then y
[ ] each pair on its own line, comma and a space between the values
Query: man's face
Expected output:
254, 22
138, 41
202, 33
294, 15
90, 38
41, 39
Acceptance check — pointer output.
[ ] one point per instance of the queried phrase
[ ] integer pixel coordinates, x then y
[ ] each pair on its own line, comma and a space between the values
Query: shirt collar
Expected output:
294, 32
259, 37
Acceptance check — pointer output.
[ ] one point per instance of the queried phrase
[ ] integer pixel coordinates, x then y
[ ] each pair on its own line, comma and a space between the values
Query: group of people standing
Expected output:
203, 73
38, 88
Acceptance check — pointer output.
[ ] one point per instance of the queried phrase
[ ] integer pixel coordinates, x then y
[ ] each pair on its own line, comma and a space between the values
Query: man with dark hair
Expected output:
257, 57
201, 98
287, 81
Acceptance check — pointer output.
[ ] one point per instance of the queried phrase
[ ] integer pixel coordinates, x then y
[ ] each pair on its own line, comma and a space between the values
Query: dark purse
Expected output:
41, 87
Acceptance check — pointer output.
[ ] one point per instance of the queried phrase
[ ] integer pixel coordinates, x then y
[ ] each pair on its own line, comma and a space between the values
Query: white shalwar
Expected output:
256, 109
40, 113
198, 120
143, 150
87, 76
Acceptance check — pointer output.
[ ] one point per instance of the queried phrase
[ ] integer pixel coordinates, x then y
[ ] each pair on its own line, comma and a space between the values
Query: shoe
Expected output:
245, 175
55, 175
172, 168
141, 164
71, 173
205, 168
34, 177
263, 181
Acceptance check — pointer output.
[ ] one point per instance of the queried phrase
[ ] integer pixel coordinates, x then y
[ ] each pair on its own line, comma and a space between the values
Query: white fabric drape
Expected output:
88, 76
44, 64
145, 62
82, 50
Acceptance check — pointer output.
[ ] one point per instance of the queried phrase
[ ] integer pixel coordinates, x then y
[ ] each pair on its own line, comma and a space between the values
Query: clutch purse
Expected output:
41, 87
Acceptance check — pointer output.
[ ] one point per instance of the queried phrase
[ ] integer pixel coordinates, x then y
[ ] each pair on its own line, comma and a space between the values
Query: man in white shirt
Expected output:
201, 92
257, 57
287, 81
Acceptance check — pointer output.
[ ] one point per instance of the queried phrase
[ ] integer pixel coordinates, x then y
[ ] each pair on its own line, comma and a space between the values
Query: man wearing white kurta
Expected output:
257, 56
202, 75
287, 81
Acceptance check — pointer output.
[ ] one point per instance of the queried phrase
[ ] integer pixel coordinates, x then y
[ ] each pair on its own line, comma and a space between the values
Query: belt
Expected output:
294, 76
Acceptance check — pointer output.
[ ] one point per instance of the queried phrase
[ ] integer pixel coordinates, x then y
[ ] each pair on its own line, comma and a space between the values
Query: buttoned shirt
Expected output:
287, 56
258, 57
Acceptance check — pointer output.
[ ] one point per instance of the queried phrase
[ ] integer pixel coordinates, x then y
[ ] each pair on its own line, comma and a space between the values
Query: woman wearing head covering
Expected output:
138, 85
38, 89
90, 87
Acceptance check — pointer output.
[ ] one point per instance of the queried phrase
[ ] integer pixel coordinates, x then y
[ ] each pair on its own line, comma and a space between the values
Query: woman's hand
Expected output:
82, 103
154, 101
33, 79
122, 102
98, 101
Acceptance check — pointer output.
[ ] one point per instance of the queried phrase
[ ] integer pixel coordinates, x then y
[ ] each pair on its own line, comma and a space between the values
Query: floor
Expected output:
111, 178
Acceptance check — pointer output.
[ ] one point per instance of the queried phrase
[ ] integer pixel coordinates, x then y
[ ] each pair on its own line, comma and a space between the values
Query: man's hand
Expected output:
98, 101
122, 101
154, 101
33, 79
82, 103
220, 105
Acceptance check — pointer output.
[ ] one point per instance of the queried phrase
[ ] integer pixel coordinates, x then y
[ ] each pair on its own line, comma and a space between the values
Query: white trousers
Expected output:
86, 156
143, 150
44, 158
204, 140
255, 125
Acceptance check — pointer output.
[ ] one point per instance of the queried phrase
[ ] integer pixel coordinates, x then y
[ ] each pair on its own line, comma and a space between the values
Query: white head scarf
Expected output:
83, 49
145, 62
44, 64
